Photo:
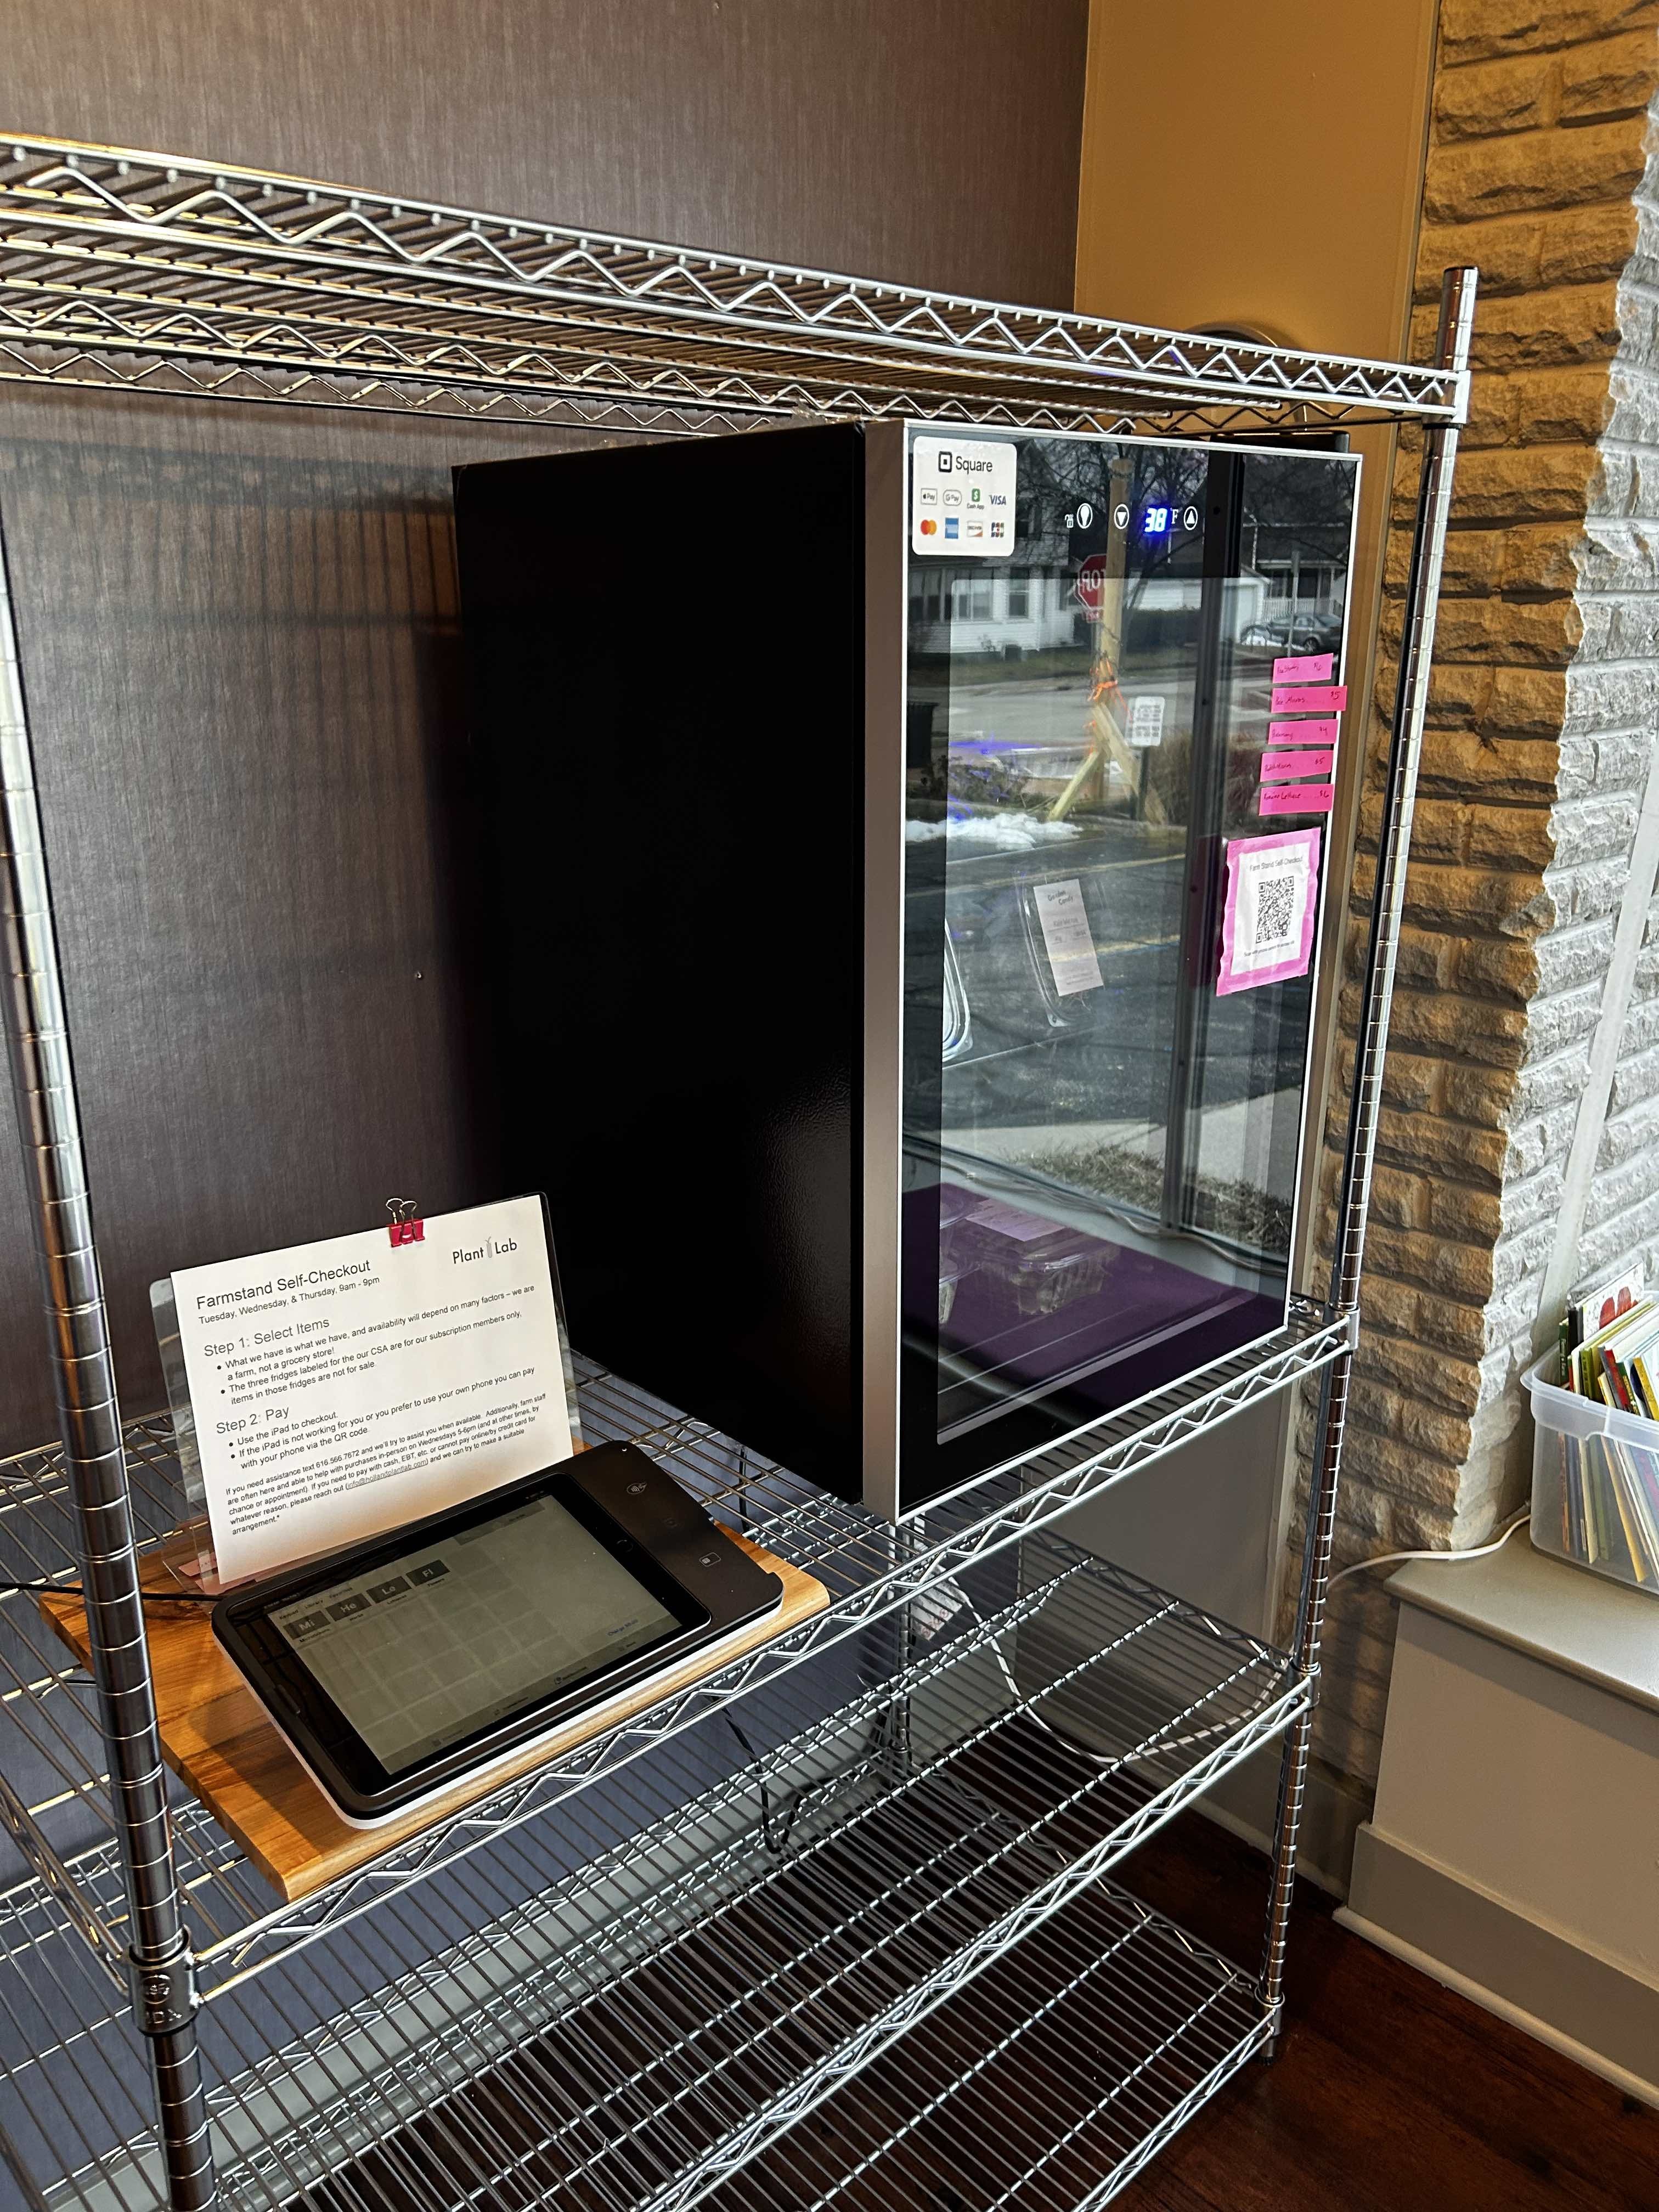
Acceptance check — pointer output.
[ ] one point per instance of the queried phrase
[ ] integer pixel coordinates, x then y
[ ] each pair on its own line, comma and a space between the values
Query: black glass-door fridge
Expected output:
902, 854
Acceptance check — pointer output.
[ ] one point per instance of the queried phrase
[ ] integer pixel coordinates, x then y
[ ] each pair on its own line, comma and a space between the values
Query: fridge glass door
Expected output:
1104, 1067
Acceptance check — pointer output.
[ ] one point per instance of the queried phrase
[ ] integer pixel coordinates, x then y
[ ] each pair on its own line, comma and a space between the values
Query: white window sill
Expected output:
1598, 1630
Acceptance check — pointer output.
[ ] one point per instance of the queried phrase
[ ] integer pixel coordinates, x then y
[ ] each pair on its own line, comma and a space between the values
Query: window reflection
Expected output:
1103, 1159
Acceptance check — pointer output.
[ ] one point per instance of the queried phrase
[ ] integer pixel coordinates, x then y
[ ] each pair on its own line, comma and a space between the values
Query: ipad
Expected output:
412, 1663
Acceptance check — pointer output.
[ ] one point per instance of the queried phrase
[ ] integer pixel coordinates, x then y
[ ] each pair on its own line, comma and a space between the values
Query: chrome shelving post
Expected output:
1457, 298
49, 1127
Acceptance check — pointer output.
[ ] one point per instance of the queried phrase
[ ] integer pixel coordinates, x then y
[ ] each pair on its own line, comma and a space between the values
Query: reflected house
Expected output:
1304, 582
1027, 626
1008, 610
1002, 611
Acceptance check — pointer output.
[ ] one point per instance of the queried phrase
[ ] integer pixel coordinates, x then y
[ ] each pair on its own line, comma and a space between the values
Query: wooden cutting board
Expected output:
216, 1737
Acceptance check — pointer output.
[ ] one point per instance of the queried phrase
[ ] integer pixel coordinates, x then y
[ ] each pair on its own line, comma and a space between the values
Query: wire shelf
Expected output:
154, 272
619, 2006
1053, 2083
1065, 2070
61, 1820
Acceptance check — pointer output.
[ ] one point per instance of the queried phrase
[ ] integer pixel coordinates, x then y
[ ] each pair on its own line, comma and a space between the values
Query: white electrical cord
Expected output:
1479, 1552
1219, 1728
1100, 1758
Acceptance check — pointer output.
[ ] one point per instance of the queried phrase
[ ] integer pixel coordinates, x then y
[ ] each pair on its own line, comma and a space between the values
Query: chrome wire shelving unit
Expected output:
834, 1927
237, 1927
704, 1946
150, 272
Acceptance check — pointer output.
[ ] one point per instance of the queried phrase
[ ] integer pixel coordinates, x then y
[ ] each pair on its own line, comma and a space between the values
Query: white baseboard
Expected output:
1593, 2061
1589, 2008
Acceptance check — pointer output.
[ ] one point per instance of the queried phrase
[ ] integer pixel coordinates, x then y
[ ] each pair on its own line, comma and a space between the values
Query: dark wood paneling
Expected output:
238, 624
931, 141
239, 644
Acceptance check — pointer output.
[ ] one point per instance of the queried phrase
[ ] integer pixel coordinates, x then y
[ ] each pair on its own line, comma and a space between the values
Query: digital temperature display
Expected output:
1155, 521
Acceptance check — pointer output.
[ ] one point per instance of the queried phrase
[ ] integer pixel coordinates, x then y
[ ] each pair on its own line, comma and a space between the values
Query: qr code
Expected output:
1275, 910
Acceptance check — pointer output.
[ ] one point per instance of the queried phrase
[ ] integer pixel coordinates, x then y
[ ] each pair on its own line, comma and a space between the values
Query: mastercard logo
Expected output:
929, 527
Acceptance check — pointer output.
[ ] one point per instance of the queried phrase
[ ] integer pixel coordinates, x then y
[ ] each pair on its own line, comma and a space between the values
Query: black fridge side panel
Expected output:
665, 648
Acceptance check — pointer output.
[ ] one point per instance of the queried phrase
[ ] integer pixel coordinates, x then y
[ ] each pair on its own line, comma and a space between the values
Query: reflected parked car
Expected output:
1307, 634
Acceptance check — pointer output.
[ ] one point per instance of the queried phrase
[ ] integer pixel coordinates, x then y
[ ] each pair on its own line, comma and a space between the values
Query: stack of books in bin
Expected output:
1602, 1510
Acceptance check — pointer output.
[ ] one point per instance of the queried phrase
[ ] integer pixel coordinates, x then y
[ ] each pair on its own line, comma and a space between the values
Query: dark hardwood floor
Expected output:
1389, 2093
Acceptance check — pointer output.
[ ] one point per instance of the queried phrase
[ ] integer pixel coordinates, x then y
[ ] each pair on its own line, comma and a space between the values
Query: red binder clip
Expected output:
404, 1227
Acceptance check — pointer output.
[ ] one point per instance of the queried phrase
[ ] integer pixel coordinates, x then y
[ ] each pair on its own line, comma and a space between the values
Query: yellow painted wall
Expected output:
1255, 164
1258, 166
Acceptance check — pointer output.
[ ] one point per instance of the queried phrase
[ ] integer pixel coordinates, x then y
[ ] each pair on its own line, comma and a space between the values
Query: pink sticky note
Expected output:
1311, 699
1311, 668
1276, 767
1296, 799
1272, 908
1302, 734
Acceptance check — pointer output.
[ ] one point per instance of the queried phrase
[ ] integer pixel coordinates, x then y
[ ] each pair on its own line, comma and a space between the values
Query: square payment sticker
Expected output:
962, 492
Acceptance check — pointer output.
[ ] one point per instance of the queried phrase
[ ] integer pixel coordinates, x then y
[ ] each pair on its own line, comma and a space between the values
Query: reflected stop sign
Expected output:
1091, 585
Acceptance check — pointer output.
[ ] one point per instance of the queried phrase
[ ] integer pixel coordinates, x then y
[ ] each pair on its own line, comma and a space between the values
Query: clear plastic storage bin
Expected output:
1595, 1482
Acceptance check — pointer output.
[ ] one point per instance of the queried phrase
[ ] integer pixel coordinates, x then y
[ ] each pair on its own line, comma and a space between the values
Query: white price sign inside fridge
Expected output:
1067, 937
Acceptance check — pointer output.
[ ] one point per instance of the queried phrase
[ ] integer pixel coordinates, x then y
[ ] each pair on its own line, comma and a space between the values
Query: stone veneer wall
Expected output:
1540, 732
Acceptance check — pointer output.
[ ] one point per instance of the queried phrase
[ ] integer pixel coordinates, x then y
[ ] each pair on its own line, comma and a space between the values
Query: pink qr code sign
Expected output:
1272, 908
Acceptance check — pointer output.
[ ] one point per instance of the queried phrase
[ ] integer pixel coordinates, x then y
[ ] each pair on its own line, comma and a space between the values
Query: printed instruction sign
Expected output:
342, 1387
1067, 937
962, 497
1273, 902
1146, 719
